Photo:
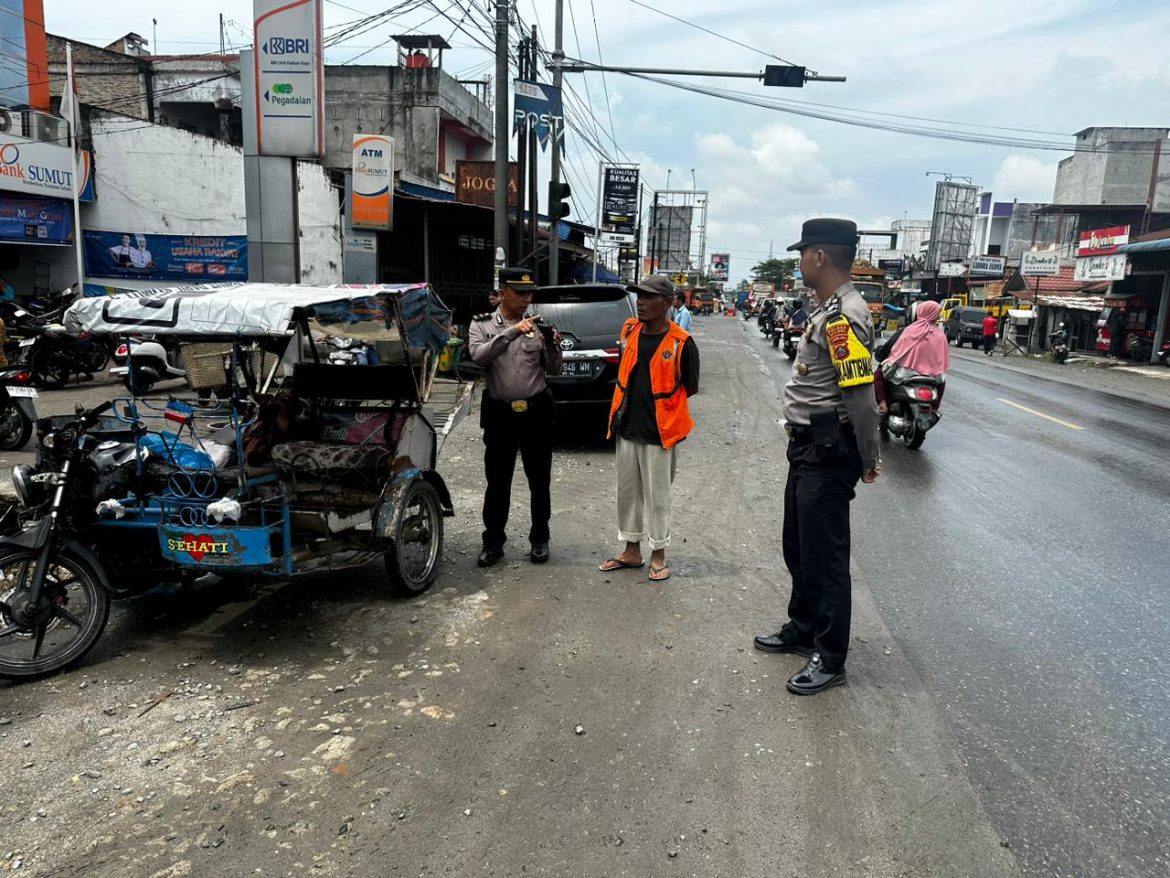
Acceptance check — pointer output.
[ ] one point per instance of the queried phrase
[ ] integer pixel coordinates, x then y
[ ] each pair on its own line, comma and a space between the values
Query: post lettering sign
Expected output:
289, 78
475, 183
1098, 268
373, 182
1103, 242
1042, 264
538, 107
988, 266
619, 205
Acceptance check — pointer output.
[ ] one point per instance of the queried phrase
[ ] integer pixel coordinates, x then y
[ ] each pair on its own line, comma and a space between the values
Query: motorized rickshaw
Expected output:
276, 461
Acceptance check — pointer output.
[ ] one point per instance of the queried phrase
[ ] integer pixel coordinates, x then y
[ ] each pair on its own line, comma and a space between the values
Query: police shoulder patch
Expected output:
481, 317
851, 358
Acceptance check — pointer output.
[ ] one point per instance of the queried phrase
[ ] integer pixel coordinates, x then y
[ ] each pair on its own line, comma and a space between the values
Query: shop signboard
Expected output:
988, 266
475, 183
31, 220
289, 77
35, 167
1103, 242
1045, 263
763, 288
538, 107
373, 182
619, 205
720, 266
1100, 268
892, 266
952, 269
166, 257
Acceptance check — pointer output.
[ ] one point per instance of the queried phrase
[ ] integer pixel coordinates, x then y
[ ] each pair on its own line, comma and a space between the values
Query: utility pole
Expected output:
554, 226
501, 199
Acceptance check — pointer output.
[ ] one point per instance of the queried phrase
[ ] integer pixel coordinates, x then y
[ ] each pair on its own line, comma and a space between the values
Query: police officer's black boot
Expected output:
539, 554
489, 556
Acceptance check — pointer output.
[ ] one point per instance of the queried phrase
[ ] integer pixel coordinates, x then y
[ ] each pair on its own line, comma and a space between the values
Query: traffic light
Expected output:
558, 193
785, 77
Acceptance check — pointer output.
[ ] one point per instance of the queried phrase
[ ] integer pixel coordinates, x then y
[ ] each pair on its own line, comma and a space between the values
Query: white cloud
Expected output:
1025, 179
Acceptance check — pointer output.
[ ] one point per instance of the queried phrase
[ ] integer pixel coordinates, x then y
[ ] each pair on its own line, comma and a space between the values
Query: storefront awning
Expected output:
1159, 246
1076, 303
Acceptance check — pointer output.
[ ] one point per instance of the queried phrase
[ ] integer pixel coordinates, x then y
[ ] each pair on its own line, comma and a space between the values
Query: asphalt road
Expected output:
1020, 559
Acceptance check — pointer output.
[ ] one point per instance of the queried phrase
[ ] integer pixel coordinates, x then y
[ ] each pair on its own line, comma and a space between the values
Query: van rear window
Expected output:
583, 293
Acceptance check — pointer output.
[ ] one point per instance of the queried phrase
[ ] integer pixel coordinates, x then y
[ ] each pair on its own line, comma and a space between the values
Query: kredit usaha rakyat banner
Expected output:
289, 78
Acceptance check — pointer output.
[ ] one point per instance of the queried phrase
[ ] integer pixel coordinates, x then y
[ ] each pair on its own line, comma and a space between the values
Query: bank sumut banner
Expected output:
191, 258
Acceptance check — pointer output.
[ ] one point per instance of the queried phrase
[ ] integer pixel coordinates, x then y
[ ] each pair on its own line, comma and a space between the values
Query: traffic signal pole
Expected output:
554, 226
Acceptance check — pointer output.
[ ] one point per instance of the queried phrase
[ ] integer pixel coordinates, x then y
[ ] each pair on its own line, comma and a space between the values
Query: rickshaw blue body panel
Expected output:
217, 547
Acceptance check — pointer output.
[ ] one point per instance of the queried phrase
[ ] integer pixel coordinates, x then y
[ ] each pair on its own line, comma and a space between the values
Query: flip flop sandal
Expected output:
618, 564
655, 573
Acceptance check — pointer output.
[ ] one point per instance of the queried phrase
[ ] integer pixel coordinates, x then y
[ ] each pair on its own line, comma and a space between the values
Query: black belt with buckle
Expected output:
801, 434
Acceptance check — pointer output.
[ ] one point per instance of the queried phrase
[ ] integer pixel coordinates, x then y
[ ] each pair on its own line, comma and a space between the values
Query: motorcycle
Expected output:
789, 341
54, 355
911, 400
1058, 338
18, 413
143, 362
1164, 354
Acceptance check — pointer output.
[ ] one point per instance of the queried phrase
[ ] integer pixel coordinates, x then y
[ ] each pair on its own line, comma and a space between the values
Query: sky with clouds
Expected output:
1018, 64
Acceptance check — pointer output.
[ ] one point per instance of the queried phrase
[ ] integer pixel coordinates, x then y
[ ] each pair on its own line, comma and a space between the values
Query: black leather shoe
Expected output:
784, 640
814, 678
490, 555
539, 554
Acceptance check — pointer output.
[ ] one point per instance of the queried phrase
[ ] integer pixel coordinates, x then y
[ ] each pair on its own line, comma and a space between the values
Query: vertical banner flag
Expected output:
619, 205
538, 106
289, 77
720, 266
373, 182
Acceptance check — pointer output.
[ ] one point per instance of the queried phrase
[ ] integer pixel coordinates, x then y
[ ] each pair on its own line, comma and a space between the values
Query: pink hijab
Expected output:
922, 346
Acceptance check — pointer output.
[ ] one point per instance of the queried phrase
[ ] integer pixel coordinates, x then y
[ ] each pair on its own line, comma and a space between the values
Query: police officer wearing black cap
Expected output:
516, 412
831, 419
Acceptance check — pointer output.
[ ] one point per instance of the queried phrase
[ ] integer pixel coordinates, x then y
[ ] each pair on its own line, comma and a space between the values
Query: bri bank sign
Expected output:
34, 167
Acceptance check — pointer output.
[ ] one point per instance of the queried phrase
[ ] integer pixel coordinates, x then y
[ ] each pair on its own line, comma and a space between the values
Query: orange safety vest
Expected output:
670, 399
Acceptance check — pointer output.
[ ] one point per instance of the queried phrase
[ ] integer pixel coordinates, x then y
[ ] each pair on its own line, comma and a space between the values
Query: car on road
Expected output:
590, 318
965, 325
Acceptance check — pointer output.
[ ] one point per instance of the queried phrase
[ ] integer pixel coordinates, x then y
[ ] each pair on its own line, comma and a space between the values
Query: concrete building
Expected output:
1117, 166
913, 235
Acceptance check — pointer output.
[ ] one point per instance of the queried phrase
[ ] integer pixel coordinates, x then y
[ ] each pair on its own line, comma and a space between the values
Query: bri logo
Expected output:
287, 46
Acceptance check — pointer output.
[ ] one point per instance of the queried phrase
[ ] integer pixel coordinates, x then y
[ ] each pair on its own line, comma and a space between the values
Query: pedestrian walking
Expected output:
990, 329
649, 415
1116, 325
682, 315
832, 421
516, 412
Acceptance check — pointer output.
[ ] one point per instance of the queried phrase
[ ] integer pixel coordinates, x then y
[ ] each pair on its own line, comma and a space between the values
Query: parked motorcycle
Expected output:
911, 400
54, 356
1164, 354
17, 410
1058, 339
143, 362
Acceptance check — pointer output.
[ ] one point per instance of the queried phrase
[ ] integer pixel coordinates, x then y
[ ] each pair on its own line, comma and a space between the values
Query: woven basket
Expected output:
205, 364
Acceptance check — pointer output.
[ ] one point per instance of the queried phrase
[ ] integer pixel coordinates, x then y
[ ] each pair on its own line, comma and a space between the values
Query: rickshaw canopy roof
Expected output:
259, 309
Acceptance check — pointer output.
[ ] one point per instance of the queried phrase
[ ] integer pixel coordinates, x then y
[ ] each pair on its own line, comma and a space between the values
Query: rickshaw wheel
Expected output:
412, 561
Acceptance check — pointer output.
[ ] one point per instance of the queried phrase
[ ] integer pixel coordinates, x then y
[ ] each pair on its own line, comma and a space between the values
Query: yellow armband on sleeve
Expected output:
851, 358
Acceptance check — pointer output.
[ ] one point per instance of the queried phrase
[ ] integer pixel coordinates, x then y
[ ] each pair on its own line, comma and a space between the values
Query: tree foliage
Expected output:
774, 270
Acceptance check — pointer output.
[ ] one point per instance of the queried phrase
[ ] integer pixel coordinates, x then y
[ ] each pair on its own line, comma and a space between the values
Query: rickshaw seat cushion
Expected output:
359, 464
334, 381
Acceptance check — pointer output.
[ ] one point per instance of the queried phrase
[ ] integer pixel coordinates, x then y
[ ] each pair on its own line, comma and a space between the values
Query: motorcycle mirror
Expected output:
79, 410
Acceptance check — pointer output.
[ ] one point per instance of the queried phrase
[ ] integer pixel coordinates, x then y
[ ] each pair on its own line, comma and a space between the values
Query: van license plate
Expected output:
578, 367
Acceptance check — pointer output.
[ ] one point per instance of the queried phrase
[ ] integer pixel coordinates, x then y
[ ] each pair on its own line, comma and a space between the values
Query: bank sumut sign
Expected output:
34, 167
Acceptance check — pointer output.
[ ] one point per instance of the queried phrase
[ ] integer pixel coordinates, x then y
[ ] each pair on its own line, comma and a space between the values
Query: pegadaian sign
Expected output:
289, 77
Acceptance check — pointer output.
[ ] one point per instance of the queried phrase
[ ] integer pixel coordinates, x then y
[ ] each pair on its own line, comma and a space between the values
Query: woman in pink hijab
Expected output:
922, 347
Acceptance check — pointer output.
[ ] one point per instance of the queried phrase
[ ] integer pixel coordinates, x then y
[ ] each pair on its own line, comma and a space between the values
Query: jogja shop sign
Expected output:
475, 183
1103, 242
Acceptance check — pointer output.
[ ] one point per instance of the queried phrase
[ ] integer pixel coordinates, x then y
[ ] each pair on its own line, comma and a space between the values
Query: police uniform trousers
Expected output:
506, 432
820, 485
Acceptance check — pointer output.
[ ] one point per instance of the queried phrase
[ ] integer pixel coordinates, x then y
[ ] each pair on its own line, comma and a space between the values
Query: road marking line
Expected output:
1024, 408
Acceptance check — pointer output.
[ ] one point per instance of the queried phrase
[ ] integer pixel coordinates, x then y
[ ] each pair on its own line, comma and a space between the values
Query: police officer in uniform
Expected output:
516, 412
831, 419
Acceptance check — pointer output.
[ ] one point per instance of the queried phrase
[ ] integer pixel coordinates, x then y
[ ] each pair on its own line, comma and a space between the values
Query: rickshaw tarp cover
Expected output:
262, 310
